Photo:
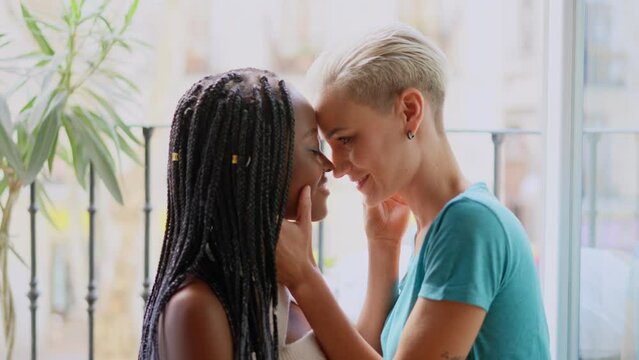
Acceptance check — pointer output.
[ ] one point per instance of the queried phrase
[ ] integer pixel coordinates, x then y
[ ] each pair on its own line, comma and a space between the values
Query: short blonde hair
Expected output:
382, 64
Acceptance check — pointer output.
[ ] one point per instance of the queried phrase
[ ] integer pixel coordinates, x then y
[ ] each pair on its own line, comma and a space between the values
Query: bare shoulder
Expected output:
196, 325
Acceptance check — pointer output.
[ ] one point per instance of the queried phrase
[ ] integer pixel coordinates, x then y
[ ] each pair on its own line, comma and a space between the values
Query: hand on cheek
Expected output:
294, 255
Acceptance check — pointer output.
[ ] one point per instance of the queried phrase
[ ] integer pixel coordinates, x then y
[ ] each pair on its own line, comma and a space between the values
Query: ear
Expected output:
411, 106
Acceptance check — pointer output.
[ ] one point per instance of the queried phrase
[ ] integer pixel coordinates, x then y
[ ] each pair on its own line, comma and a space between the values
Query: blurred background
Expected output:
496, 115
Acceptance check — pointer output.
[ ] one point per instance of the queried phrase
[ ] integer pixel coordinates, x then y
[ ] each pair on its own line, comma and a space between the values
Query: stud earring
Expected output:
410, 135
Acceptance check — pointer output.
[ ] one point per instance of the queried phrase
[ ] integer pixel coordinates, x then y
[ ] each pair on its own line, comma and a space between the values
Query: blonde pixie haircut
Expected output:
383, 64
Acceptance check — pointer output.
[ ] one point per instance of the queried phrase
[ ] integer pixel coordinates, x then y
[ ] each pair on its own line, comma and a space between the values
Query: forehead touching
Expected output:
305, 121
336, 111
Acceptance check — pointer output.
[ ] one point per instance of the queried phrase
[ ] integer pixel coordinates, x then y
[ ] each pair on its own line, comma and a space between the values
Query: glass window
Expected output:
609, 286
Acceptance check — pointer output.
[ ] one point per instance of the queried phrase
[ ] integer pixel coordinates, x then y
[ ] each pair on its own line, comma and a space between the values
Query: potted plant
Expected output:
72, 117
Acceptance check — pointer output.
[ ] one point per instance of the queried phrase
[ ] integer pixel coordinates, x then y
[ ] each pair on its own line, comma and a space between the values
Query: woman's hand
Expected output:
386, 222
294, 252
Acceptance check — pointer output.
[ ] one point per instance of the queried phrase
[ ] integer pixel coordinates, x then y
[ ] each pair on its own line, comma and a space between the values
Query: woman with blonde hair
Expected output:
471, 288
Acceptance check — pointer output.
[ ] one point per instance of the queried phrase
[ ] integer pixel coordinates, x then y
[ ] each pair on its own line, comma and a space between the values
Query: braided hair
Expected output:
230, 165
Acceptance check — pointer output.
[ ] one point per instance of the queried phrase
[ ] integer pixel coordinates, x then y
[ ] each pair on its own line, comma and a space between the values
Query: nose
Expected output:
341, 165
327, 164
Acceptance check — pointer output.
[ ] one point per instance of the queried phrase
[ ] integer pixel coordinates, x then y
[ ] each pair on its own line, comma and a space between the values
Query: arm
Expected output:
380, 293
295, 269
440, 330
337, 336
196, 326
434, 330
432, 325
385, 226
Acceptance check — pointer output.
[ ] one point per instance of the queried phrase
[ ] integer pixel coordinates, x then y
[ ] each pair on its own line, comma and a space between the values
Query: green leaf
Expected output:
41, 63
111, 74
43, 101
130, 13
23, 141
35, 31
53, 153
91, 118
5, 115
76, 10
45, 137
111, 131
48, 25
9, 150
123, 44
29, 105
15, 252
124, 146
22, 56
3, 185
46, 205
63, 154
80, 159
106, 23
99, 155
114, 115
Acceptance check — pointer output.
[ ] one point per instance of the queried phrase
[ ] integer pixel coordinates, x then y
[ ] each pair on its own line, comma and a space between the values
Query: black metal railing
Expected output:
497, 137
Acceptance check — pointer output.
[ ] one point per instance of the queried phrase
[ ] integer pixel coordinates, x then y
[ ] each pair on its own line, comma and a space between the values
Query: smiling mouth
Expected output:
361, 182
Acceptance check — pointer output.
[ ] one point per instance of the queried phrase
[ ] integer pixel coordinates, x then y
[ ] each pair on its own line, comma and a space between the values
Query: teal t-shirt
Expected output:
477, 252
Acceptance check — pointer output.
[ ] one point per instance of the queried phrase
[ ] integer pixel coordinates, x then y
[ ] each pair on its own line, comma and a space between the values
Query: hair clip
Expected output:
174, 156
235, 159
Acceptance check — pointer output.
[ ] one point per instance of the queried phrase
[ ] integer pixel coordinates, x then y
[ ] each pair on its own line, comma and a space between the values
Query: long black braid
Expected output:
230, 164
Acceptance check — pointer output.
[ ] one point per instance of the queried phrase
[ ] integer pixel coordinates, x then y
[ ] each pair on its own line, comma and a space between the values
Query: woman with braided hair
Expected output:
243, 149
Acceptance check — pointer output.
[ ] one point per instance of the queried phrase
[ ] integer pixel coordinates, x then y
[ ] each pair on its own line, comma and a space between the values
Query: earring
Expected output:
410, 135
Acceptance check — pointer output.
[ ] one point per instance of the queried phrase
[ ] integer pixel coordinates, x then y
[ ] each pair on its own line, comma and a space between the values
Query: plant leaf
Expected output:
53, 152
15, 252
3, 185
111, 74
28, 105
43, 101
124, 146
46, 204
98, 154
114, 116
80, 159
106, 23
5, 116
76, 10
92, 118
120, 142
45, 137
129, 14
10, 150
63, 154
35, 31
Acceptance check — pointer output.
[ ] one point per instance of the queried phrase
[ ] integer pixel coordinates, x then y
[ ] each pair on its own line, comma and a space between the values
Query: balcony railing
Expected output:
497, 136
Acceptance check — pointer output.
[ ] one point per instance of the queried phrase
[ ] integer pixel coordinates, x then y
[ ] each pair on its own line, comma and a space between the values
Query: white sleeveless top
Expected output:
306, 347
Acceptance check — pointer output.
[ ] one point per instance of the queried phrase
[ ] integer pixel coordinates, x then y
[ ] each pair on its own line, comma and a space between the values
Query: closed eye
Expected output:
344, 139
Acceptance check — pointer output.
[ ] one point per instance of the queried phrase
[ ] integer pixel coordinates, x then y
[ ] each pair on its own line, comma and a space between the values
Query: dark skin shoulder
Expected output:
194, 325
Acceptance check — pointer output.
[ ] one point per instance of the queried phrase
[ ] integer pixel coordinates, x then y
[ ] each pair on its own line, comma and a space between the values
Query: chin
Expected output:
319, 213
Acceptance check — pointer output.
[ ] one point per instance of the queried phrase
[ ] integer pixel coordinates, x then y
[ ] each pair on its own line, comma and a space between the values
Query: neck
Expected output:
437, 180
